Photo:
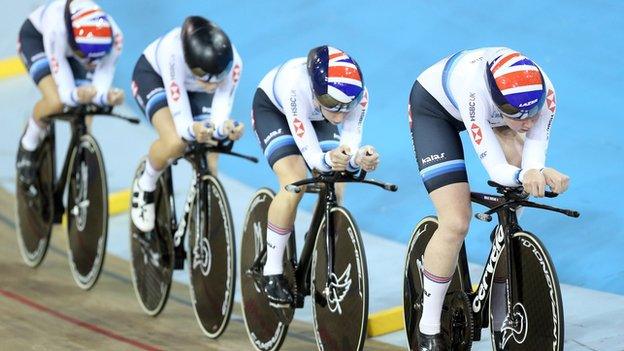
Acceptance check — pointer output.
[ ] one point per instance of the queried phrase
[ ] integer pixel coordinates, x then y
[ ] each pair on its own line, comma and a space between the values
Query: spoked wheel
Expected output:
152, 255
35, 208
87, 212
212, 257
266, 326
536, 320
341, 300
413, 291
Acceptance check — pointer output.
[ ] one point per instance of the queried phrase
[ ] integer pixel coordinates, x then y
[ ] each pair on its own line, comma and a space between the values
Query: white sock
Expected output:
33, 136
433, 297
149, 178
499, 304
277, 238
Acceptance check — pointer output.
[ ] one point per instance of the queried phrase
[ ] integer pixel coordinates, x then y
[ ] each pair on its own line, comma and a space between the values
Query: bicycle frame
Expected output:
196, 155
326, 201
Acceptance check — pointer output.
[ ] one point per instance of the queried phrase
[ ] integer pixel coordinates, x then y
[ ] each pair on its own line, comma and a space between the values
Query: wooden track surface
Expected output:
43, 309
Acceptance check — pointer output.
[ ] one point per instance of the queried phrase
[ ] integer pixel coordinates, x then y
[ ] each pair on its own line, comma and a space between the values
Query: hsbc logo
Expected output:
550, 101
299, 129
174, 89
477, 136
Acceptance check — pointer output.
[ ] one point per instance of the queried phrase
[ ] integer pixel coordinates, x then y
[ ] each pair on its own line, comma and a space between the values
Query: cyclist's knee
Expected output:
174, 146
455, 227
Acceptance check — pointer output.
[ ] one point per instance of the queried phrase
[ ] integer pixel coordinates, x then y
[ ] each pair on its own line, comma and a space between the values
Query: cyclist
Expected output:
184, 82
296, 112
70, 49
507, 103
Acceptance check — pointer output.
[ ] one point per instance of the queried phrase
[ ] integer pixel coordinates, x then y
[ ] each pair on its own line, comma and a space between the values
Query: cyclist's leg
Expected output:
289, 166
440, 159
33, 56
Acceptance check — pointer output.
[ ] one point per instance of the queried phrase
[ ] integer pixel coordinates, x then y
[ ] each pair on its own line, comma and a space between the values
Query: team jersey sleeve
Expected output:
105, 70
224, 97
55, 45
536, 141
172, 65
352, 130
297, 111
474, 112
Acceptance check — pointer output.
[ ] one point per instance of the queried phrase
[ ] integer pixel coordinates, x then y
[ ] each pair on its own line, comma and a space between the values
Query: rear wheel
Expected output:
456, 318
266, 327
152, 255
212, 257
536, 320
34, 207
87, 212
340, 301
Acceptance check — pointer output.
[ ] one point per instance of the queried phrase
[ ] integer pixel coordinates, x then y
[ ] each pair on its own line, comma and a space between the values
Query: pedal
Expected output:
180, 257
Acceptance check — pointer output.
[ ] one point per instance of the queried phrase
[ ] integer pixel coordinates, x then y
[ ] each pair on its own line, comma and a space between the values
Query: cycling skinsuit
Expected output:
288, 121
452, 96
162, 78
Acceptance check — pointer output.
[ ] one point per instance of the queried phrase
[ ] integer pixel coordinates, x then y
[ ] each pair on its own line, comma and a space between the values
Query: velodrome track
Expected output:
587, 251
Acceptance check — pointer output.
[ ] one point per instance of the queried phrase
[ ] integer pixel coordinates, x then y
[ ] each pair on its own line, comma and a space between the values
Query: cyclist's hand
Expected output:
115, 97
233, 130
203, 133
534, 183
340, 157
367, 158
558, 182
86, 93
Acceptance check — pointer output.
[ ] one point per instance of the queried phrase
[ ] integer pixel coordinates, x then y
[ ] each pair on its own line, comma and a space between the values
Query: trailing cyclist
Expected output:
296, 112
507, 103
184, 82
70, 49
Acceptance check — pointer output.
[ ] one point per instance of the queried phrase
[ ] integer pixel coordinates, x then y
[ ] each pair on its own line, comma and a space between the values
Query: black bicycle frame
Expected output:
76, 118
195, 154
505, 208
326, 201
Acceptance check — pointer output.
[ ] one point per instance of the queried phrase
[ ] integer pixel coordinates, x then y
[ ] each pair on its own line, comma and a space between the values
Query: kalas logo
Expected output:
434, 157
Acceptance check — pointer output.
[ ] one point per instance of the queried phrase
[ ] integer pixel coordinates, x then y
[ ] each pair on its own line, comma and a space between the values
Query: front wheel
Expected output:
87, 212
34, 207
340, 300
536, 318
151, 254
213, 258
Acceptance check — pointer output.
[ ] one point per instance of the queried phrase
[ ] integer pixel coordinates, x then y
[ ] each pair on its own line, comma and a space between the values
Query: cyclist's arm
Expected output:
55, 46
536, 141
352, 130
172, 65
224, 97
297, 112
105, 70
474, 112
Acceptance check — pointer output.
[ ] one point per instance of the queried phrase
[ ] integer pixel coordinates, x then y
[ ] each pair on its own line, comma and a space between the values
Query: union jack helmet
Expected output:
336, 78
89, 30
516, 84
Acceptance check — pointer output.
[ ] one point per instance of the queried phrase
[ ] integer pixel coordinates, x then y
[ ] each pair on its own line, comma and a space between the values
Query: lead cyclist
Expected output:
507, 103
